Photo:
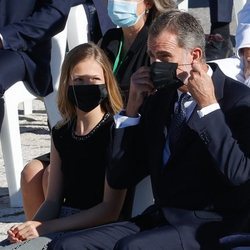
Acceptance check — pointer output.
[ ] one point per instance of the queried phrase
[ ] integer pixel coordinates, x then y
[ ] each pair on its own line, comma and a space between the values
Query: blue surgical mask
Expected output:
123, 13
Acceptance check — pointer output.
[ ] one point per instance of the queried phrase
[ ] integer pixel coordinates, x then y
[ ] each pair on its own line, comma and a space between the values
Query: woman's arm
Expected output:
106, 211
50, 207
53, 200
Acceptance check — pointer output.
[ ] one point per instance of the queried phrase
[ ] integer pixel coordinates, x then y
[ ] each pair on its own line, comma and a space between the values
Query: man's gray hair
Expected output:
188, 30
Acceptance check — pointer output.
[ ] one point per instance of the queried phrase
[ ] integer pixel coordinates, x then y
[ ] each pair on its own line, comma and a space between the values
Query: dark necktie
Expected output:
178, 121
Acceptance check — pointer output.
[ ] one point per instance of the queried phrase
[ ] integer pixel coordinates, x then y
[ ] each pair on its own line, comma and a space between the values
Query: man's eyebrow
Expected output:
163, 53
159, 53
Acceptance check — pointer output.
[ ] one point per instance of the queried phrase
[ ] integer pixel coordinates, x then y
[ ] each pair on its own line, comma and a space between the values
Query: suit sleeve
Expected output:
127, 165
227, 138
45, 22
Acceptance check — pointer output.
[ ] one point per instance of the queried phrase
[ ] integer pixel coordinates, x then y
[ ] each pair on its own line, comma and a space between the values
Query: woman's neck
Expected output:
130, 33
85, 122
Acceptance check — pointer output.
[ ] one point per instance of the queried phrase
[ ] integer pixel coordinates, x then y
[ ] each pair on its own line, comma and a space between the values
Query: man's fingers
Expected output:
196, 67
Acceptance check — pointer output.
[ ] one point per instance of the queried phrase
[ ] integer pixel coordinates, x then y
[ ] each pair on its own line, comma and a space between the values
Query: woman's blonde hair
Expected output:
82, 52
158, 7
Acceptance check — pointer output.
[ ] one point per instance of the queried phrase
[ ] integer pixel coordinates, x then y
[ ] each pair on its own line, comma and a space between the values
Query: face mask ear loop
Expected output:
75, 96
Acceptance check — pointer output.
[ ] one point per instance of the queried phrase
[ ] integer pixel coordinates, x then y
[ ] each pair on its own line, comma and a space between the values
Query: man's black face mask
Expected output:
163, 75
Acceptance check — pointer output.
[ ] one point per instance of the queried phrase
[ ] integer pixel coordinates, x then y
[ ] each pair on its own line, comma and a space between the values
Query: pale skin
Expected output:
45, 220
246, 60
34, 183
191, 70
130, 33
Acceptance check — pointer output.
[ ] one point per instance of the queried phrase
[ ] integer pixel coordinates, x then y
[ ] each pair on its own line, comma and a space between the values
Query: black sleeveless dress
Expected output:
84, 161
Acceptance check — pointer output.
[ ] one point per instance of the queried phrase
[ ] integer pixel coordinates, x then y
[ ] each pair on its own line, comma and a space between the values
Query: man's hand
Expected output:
246, 60
24, 231
201, 87
140, 86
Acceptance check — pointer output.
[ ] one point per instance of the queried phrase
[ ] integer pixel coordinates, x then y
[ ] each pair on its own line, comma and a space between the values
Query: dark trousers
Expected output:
221, 10
148, 231
12, 69
121, 235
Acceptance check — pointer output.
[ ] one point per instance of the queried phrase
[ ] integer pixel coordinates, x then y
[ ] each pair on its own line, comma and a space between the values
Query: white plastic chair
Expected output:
10, 133
183, 5
77, 27
143, 196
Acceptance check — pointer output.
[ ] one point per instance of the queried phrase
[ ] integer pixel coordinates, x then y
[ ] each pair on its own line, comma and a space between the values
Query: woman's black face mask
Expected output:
87, 97
163, 75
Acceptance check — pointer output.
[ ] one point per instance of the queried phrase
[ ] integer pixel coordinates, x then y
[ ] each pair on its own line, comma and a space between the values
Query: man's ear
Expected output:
197, 54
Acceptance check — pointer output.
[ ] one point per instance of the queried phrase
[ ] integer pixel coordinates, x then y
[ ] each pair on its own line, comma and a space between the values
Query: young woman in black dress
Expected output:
88, 97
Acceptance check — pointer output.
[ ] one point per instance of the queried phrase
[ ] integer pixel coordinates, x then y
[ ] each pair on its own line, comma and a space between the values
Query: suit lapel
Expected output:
187, 135
219, 80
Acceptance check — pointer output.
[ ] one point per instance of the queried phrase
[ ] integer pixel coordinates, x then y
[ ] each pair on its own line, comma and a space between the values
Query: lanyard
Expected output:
118, 60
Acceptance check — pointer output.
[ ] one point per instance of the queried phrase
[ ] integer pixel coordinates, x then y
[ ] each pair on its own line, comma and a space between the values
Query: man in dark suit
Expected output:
200, 178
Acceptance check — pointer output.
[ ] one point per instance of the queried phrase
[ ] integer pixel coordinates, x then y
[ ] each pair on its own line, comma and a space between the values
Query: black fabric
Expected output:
103, 237
135, 57
221, 11
178, 120
12, 69
83, 171
150, 218
45, 158
230, 242
1, 112
94, 28
221, 28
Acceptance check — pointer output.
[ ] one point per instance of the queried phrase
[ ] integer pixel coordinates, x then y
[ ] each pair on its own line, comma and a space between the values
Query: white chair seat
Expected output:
11, 140
143, 196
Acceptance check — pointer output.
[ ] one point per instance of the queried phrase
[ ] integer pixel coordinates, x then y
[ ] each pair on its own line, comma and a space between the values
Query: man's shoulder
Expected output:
219, 75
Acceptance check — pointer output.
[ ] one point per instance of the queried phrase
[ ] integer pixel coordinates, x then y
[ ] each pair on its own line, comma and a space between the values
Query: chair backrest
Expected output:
75, 33
183, 5
77, 27
57, 56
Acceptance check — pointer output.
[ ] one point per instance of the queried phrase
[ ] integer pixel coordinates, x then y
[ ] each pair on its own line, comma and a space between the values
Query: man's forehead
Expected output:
162, 43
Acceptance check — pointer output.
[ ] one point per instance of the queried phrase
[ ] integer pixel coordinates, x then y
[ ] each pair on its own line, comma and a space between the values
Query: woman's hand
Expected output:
24, 231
